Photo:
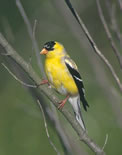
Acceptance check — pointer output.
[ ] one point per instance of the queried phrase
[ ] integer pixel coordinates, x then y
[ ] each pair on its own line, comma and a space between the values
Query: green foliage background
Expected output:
21, 124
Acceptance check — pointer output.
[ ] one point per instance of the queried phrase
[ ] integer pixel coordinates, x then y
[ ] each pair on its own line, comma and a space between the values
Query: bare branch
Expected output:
115, 26
120, 4
108, 33
29, 28
94, 46
34, 29
23, 83
109, 90
58, 125
50, 95
46, 128
106, 139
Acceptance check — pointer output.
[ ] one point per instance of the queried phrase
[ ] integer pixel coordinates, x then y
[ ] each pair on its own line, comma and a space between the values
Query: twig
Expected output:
58, 125
120, 4
46, 128
33, 31
106, 139
109, 90
96, 50
115, 26
23, 83
53, 119
34, 27
108, 6
108, 33
50, 95
29, 28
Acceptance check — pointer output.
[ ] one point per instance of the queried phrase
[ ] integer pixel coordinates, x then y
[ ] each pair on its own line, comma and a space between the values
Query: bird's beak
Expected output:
44, 51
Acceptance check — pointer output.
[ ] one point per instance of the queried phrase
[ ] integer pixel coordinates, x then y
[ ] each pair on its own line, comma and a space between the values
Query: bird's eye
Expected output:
49, 45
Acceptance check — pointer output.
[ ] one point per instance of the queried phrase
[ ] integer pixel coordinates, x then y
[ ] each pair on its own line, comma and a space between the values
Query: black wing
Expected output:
78, 80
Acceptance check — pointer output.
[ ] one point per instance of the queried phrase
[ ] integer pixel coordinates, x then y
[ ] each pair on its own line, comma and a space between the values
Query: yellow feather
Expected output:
57, 72
59, 76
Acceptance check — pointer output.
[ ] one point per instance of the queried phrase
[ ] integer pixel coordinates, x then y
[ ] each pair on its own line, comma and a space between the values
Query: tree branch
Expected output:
30, 31
94, 46
120, 4
46, 129
108, 33
16, 78
114, 23
10, 53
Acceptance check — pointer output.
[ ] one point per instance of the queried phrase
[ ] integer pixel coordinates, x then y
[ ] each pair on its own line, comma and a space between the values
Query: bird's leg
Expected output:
62, 103
43, 82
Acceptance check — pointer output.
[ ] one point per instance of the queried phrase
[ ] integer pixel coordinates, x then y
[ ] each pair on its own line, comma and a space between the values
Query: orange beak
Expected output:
44, 51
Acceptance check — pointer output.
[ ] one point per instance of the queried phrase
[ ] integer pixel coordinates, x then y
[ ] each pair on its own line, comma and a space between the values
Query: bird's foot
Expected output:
62, 103
43, 82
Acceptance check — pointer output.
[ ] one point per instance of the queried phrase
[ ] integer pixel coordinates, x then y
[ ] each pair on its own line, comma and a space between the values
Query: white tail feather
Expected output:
75, 102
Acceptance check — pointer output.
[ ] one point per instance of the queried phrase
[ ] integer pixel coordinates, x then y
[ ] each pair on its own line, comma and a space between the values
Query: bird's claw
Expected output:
43, 82
62, 103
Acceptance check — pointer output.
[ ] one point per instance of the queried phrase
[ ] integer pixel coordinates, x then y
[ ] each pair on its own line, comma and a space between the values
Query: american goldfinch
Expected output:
62, 74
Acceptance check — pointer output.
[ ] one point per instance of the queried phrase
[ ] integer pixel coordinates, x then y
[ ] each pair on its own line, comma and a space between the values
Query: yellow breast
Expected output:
59, 76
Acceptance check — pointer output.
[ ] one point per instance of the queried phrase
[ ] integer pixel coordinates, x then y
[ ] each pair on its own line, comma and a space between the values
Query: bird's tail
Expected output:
75, 102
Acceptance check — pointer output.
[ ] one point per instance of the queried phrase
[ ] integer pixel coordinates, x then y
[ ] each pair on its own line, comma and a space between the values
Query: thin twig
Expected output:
106, 85
120, 4
34, 27
29, 28
5, 54
94, 46
20, 81
106, 139
108, 6
115, 26
108, 33
58, 125
46, 128
33, 31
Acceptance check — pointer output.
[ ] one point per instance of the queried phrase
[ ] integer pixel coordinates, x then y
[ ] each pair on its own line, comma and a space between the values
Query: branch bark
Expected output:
7, 51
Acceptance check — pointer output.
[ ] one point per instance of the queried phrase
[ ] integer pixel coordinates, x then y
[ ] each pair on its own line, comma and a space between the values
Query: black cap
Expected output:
49, 45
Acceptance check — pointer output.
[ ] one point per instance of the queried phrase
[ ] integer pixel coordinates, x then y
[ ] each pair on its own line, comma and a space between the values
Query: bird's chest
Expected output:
56, 72
59, 77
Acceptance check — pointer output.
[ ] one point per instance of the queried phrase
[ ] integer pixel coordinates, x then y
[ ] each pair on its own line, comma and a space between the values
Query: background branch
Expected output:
46, 128
30, 31
94, 46
108, 33
114, 23
12, 54
16, 78
120, 4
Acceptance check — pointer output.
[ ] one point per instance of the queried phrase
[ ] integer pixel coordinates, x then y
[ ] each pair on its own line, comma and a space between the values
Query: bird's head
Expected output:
52, 49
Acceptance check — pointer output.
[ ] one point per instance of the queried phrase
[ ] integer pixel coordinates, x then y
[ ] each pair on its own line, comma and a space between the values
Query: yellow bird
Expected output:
62, 74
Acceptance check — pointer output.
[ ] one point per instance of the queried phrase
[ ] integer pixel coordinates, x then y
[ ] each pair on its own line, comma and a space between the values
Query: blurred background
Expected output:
22, 128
